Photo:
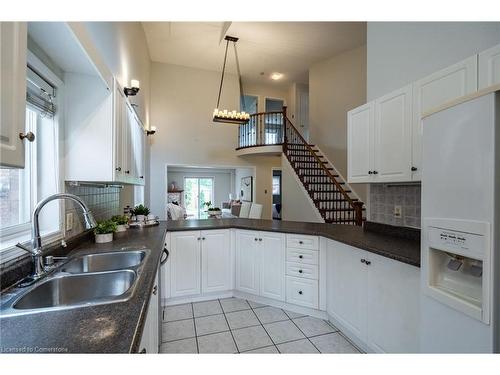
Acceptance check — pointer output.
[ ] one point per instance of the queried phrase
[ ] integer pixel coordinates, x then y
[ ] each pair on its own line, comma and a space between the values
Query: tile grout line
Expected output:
195, 335
319, 351
265, 330
228, 326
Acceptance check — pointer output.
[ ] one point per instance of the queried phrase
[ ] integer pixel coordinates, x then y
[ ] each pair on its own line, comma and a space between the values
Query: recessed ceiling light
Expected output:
276, 76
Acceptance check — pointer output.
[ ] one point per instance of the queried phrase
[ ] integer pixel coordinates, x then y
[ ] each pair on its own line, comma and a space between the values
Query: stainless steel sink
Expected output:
82, 289
104, 262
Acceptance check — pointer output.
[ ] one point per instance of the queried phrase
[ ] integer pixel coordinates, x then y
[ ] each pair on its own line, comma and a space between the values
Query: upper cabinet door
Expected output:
392, 137
489, 67
435, 90
119, 139
13, 47
360, 143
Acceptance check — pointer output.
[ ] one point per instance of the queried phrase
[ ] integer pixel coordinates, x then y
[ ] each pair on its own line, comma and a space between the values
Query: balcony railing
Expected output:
263, 129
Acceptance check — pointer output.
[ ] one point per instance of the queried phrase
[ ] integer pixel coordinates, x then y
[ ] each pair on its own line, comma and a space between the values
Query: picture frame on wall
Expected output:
246, 193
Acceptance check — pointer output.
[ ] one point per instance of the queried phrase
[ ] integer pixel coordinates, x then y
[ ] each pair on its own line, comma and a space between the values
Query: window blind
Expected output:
40, 93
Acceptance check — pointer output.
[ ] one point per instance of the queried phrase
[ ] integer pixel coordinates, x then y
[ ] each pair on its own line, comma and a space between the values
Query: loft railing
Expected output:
263, 129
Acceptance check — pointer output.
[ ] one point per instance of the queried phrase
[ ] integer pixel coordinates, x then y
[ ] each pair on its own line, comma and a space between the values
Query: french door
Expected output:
198, 191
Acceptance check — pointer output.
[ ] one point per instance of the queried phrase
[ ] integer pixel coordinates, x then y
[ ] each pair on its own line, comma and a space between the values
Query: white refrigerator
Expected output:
460, 266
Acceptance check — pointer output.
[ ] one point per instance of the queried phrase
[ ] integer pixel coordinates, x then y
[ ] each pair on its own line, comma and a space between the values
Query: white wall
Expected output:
401, 52
336, 86
239, 174
182, 102
223, 180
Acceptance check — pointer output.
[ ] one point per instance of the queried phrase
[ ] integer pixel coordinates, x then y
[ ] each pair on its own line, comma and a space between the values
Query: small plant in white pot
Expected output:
121, 222
104, 231
140, 212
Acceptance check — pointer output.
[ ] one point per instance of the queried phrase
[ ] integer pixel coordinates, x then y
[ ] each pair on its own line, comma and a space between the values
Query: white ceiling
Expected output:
286, 47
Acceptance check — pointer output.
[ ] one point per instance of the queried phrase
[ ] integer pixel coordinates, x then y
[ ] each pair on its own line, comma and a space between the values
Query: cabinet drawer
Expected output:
302, 241
302, 292
302, 256
307, 271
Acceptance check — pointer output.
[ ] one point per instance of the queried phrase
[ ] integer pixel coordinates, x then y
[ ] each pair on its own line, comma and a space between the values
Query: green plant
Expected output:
214, 209
105, 227
208, 204
141, 210
120, 219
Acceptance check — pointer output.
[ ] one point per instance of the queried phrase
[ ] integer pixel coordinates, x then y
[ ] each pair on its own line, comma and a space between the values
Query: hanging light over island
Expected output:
230, 117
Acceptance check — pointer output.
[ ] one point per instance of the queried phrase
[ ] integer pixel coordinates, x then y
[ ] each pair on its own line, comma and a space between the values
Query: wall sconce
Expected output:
133, 89
151, 131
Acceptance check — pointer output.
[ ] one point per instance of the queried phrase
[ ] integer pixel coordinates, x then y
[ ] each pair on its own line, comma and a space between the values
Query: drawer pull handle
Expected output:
300, 291
300, 271
301, 256
260, 239
255, 239
203, 238
368, 262
155, 290
301, 242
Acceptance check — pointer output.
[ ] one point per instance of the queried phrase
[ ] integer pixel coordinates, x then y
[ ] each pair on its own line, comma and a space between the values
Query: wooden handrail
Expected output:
357, 206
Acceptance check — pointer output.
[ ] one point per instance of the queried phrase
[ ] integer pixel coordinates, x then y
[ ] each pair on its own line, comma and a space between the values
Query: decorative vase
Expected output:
121, 227
103, 238
139, 218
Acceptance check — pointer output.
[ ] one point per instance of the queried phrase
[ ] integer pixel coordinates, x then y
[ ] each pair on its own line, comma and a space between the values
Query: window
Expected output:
22, 189
197, 191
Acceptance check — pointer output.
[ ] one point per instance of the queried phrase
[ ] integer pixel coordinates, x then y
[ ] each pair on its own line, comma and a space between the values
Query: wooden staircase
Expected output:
327, 190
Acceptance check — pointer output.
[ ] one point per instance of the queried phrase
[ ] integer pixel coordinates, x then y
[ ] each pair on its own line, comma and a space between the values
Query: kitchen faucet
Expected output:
36, 249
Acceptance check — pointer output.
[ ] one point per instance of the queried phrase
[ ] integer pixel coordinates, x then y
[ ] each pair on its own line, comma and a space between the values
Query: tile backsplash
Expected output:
104, 202
383, 198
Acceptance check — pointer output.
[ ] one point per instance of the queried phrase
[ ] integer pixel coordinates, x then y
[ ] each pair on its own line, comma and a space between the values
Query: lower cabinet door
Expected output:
272, 268
247, 262
215, 261
393, 302
185, 263
303, 292
150, 339
346, 287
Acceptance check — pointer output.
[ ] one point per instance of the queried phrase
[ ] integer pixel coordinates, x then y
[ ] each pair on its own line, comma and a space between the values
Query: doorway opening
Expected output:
276, 209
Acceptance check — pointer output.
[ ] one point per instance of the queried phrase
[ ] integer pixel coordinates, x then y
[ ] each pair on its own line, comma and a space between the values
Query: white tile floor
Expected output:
234, 325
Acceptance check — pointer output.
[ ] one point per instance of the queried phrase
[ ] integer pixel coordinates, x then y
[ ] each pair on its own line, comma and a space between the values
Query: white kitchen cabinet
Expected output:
346, 287
392, 137
374, 299
360, 127
185, 263
247, 262
216, 261
489, 67
434, 91
272, 268
302, 292
13, 50
151, 329
393, 301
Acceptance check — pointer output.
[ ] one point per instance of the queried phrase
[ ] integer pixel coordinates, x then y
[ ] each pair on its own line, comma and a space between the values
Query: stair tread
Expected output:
335, 200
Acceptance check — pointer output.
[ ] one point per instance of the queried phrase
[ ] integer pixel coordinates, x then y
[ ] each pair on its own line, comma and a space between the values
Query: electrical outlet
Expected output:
69, 221
397, 211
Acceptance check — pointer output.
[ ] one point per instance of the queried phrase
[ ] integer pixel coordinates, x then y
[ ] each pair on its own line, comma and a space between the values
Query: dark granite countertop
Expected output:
111, 328
381, 240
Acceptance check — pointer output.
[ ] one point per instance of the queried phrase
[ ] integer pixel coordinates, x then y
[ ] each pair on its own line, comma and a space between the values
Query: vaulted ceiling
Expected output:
289, 48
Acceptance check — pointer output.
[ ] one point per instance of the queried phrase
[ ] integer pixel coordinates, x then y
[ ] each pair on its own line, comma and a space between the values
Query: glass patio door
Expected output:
197, 191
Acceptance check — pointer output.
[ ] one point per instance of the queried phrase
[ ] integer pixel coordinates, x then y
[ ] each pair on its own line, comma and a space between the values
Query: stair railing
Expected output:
292, 137
263, 129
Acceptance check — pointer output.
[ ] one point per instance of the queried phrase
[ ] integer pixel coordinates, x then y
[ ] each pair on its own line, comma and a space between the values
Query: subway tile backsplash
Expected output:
383, 198
104, 202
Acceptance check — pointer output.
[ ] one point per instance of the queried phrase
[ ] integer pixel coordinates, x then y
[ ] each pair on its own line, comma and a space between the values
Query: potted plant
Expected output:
140, 212
104, 231
121, 222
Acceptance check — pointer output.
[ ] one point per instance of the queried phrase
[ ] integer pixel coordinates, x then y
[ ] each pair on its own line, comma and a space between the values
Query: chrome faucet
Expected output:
36, 249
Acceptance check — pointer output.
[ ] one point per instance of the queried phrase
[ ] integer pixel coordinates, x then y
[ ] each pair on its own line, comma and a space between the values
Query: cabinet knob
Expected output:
375, 172
300, 271
370, 172
260, 239
127, 172
301, 242
301, 256
203, 238
141, 176
155, 290
255, 239
143, 351
368, 262
30, 136
199, 238
363, 261
118, 169
300, 291
413, 169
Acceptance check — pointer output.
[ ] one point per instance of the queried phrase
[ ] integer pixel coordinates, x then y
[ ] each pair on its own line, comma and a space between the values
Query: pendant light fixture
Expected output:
230, 117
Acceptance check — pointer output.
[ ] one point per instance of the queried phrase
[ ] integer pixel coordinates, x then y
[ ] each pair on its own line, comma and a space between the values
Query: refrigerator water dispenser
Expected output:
457, 256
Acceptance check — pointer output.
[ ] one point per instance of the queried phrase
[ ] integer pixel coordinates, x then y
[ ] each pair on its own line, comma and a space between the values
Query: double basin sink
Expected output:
83, 280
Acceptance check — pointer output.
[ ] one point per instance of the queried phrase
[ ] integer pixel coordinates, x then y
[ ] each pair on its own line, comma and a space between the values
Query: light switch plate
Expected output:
69, 221
397, 211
